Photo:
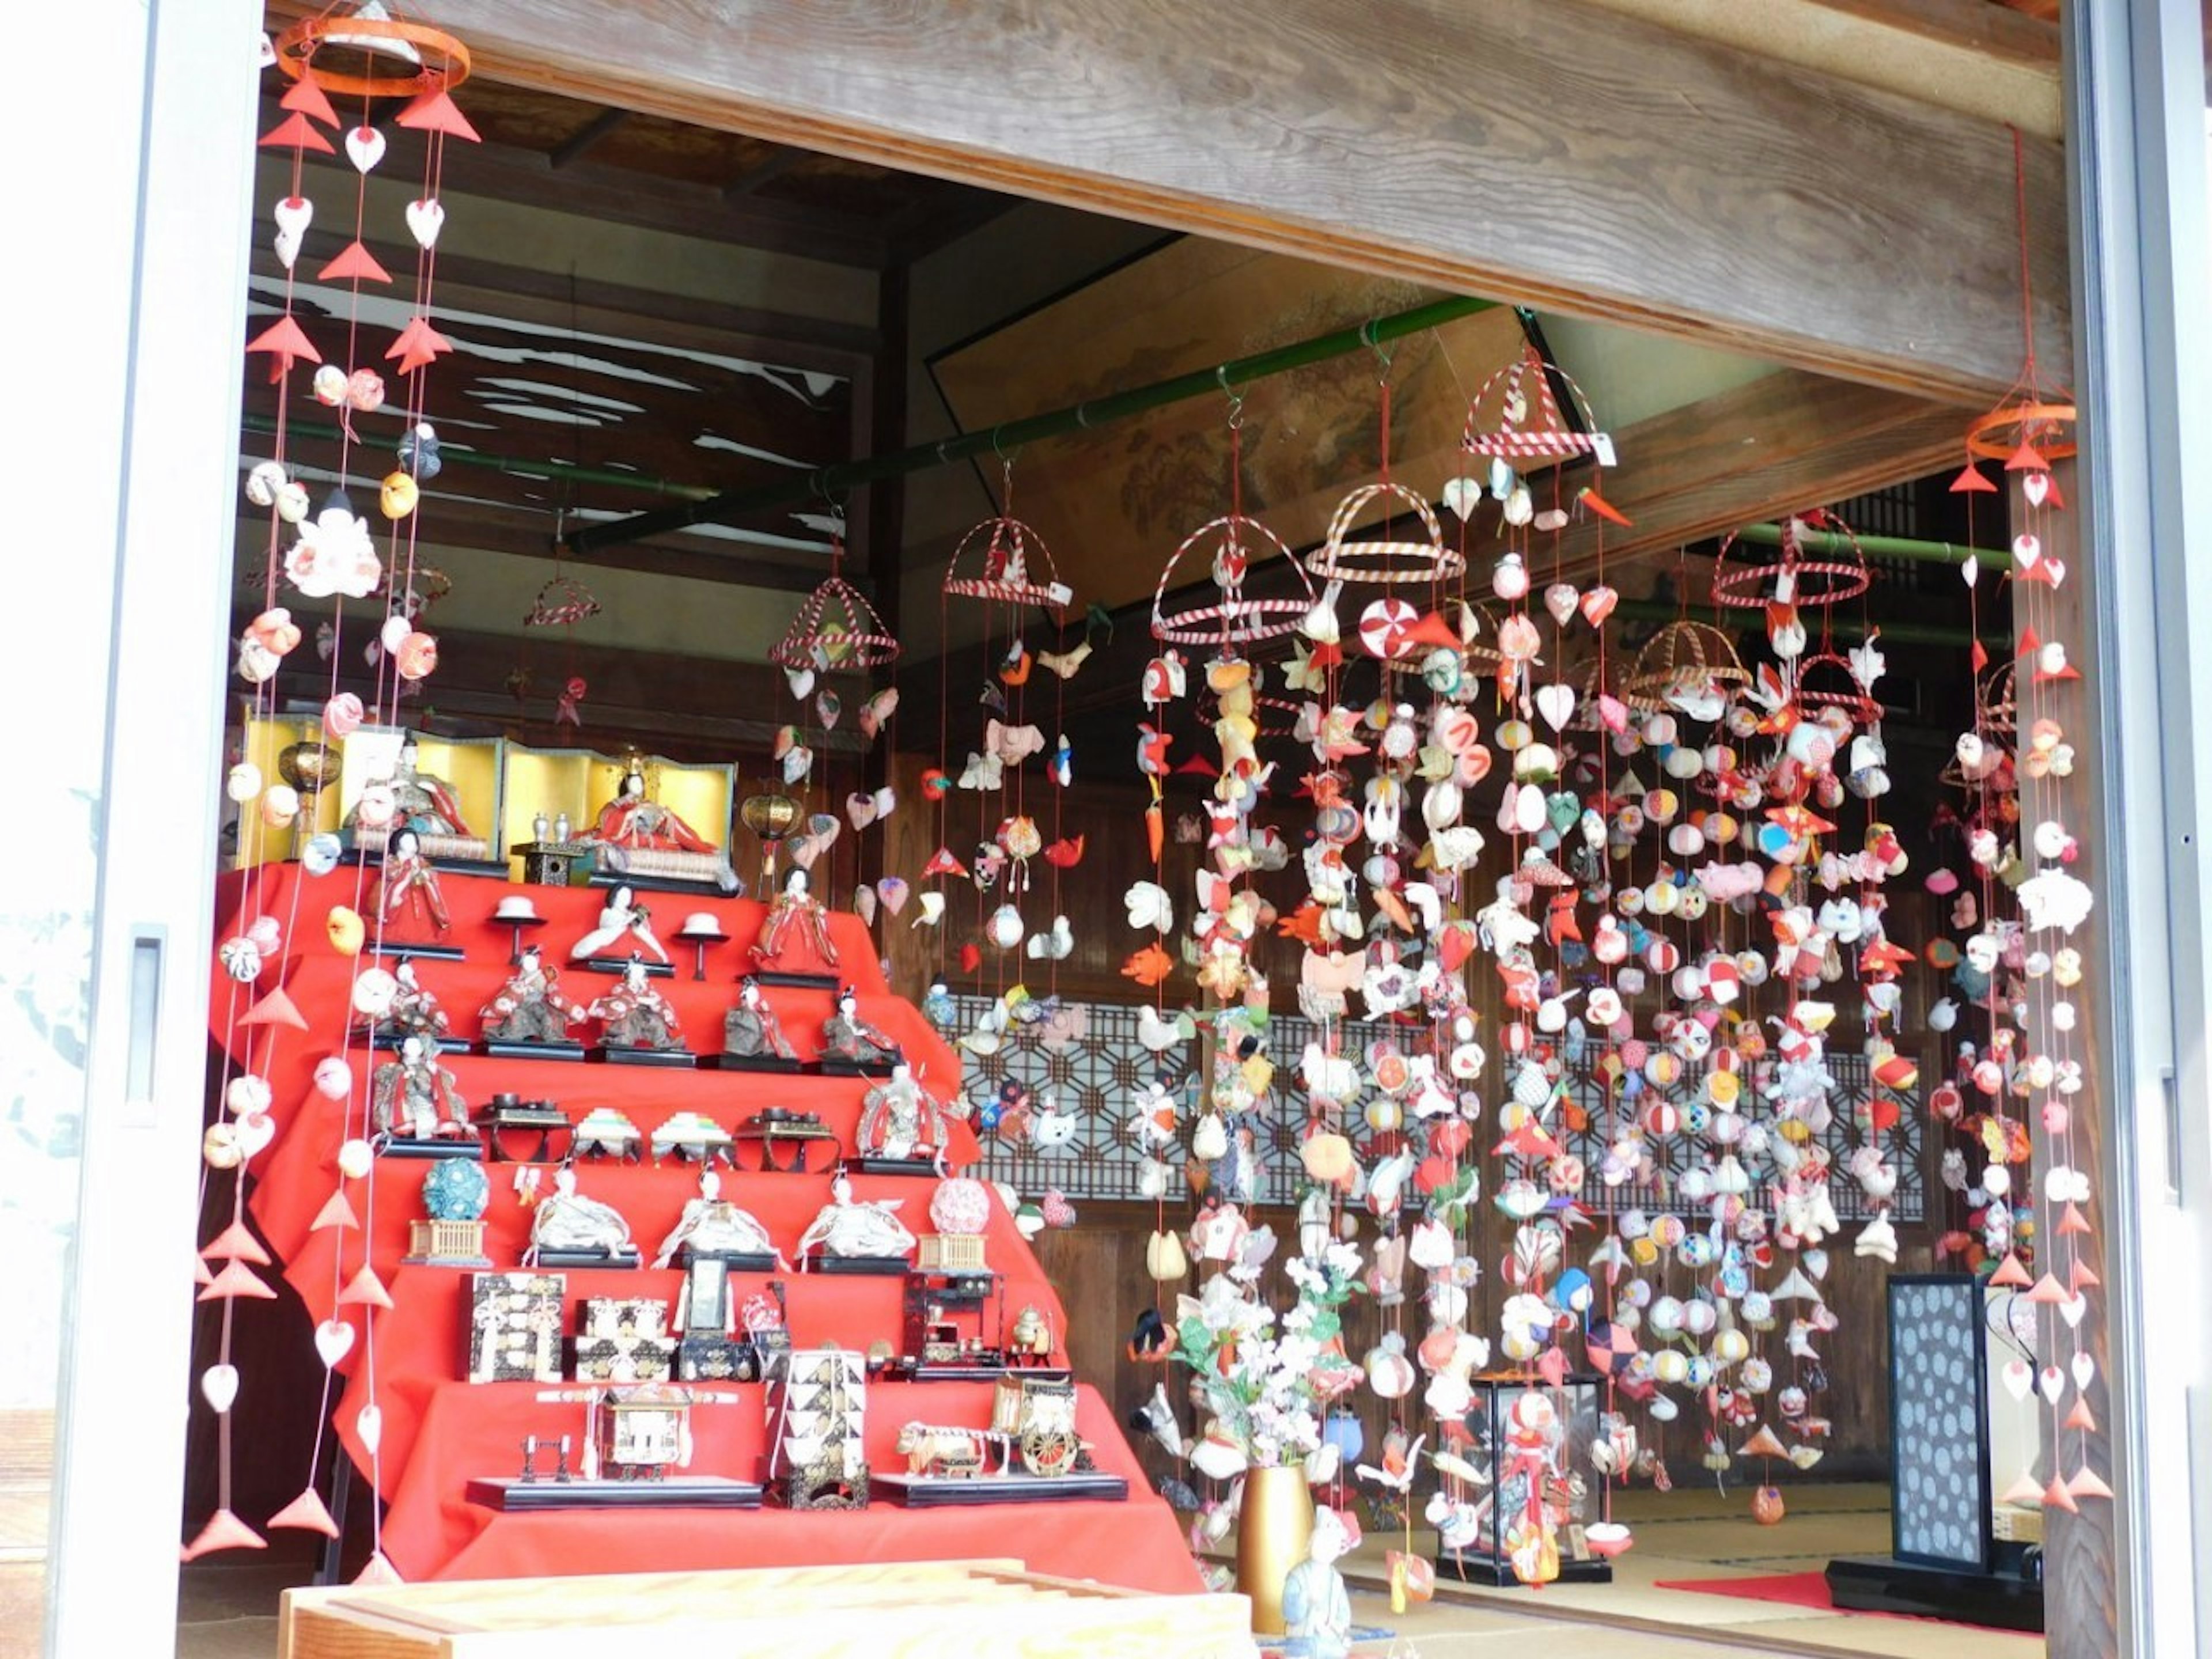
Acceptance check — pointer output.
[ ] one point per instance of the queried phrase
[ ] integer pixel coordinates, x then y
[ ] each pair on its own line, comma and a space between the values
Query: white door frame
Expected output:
181, 75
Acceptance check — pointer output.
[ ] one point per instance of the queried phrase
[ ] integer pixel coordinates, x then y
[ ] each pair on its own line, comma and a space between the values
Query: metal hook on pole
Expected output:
1235, 398
1367, 335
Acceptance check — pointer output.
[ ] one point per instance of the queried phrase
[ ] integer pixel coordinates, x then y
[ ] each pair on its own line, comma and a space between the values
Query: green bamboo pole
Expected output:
831, 483
1881, 547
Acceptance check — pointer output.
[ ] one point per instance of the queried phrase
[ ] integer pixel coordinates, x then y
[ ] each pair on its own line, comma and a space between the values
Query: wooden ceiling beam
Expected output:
1561, 155
623, 196
779, 160
572, 149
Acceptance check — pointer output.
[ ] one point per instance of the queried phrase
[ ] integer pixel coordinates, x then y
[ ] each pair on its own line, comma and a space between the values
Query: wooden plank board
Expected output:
982, 1607
1571, 157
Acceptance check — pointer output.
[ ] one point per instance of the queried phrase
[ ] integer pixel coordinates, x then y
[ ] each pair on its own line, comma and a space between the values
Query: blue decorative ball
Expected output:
456, 1189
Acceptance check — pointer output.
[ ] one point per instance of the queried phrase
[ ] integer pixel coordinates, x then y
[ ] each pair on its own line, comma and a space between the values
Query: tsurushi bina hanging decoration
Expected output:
2020, 968
337, 66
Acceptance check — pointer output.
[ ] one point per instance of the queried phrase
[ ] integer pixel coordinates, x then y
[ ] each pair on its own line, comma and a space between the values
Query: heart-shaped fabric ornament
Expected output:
1560, 598
1971, 571
2072, 1308
864, 902
828, 707
1556, 703
861, 809
1461, 496
2054, 571
294, 215
255, 1130
368, 1424
893, 891
886, 799
2018, 1377
287, 243
2053, 1383
801, 679
333, 1340
364, 147
1597, 605
220, 1384
2026, 549
2084, 1368
2036, 486
426, 217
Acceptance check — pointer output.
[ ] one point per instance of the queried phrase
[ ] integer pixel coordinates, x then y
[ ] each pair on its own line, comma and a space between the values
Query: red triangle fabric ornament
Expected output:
2083, 1278
284, 339
1198, 766
307, 99
2030, 642
307, 1513
2081, 1416
224, 1531
2025, 1489
276, 1007
379, 1571
2056, 1497
295, 132
365, 1290
2052, 498
2046, 676
2026, 459
236, 1278
200, 1274
435, 111
2010, 1273
2073, 1221
1979, 656
2048, 1292
236, 1244
2088, 1483
419, 344
337, 1213
1972, 481
356, 264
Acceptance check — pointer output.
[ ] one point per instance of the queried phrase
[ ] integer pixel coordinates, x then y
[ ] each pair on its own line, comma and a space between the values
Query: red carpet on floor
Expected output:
1795, 1589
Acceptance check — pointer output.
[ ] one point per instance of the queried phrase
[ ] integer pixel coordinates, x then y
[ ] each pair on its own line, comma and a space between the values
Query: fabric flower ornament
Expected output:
334, 554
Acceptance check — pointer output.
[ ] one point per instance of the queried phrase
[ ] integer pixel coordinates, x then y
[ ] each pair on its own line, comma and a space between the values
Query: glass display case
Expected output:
1519, 1507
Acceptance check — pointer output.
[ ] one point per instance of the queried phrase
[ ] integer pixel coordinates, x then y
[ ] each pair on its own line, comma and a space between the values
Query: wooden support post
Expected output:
2079, 1548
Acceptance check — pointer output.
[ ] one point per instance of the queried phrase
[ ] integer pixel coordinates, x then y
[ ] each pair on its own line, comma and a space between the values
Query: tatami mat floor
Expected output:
228, 1612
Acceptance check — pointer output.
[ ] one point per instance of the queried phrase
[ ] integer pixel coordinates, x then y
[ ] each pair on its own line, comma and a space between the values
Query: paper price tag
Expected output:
1602, 447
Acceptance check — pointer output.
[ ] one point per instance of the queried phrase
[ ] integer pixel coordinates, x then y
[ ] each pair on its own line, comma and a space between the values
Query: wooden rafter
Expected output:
1569, 157
570, 150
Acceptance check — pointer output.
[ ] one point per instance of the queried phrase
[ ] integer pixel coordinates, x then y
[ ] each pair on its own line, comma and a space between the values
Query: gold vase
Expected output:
1274, 1529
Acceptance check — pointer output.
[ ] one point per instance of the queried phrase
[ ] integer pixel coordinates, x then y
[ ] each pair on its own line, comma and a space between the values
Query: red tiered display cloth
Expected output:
438, 1431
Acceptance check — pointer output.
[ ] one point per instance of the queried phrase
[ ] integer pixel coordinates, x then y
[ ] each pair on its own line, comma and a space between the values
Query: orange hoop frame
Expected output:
297, 45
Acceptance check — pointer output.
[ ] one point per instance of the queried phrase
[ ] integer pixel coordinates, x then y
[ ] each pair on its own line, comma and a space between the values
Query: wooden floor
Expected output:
228, 1611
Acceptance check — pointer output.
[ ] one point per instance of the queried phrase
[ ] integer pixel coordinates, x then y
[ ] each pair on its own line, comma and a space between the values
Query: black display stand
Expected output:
2010, 1597
858, 1265
804, 981
932, 1491
392, 1042
400, 951
407, 1147
498, 1049
838, 1066
619, 1054
1473, 1567
587, 1259
771, 1063
923, 1168
619, 965
511, 1494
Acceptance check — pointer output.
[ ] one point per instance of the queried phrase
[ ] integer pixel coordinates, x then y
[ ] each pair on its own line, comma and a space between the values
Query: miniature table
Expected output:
798, 1133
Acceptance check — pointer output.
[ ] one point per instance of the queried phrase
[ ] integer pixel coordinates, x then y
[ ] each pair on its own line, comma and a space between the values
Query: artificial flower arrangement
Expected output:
1265, 1382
